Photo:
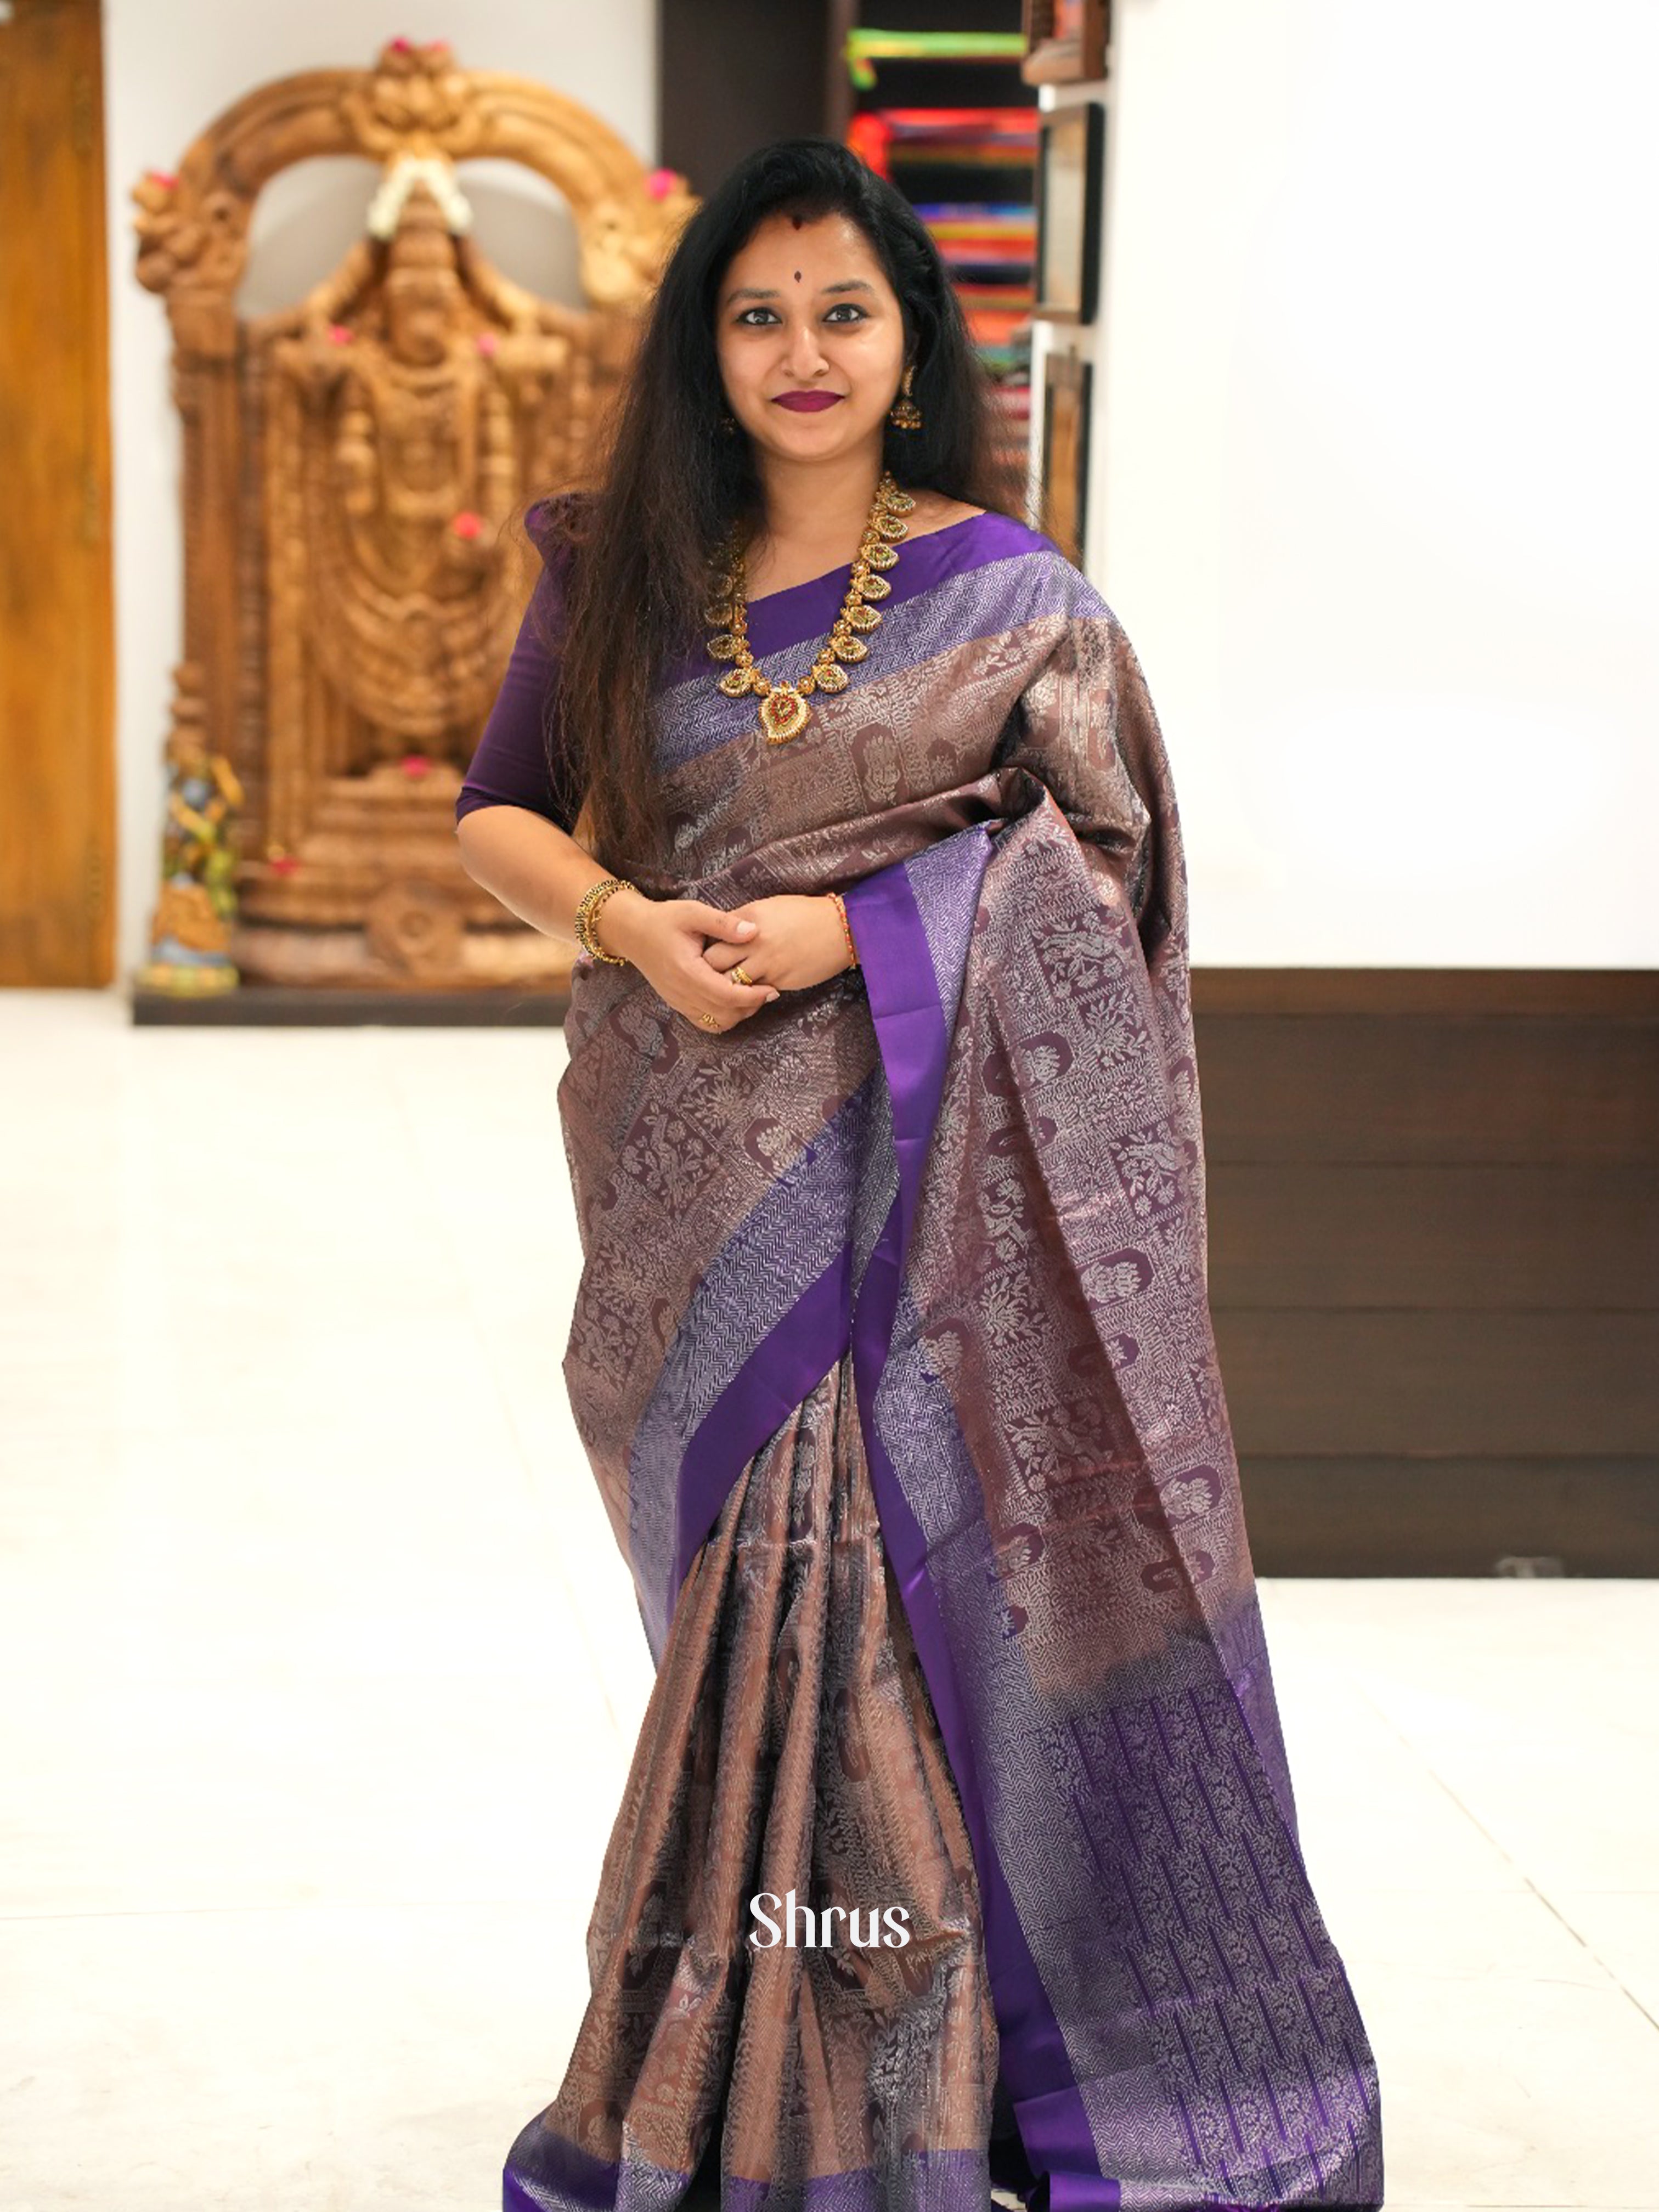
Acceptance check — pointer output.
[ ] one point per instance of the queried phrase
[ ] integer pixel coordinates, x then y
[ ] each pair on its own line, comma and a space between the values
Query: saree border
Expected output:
914, 1032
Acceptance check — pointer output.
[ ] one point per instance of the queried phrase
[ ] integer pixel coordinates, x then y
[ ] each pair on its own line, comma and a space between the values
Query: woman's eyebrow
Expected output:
753, 292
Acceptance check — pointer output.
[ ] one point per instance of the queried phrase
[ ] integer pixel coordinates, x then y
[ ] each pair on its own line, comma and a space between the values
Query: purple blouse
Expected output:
521, 759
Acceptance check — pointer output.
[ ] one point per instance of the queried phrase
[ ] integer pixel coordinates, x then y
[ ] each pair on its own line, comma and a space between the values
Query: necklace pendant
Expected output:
783, 713
735, 682
880, 555
863, 618
723, 647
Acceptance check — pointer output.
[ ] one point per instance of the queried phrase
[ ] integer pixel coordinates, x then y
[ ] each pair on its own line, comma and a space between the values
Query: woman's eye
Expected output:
846, 311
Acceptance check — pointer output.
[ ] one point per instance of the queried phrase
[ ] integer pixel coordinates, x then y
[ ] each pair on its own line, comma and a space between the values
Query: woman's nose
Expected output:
803, 352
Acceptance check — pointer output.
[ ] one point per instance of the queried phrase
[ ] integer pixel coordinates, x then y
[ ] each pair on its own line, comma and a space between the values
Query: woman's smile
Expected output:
807, 402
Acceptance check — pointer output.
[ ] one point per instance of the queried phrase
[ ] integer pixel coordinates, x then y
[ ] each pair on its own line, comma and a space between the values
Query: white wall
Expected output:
170, 67
1375, 472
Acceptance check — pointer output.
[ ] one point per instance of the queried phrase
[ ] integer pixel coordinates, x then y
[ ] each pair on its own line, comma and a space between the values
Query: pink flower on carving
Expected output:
439, 46
415, 766
487, 342
661, 182
283, 863
467, 524
339, 334
401, 46
167, 178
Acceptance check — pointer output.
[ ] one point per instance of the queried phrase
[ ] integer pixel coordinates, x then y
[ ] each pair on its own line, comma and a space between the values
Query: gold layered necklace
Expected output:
784, 711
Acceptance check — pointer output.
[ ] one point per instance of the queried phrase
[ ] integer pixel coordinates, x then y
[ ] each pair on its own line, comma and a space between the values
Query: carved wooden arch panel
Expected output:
192, 225
347, 463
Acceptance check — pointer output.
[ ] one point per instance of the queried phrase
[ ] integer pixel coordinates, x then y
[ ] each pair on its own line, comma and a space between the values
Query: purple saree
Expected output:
892, 1355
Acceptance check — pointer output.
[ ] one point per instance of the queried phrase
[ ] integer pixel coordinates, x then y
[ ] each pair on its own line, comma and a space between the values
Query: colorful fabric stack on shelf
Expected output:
865, 47
989, 244
977, 137
991, 251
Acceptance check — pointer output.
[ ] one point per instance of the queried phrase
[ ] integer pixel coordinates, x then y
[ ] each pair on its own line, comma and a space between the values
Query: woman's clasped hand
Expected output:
686, 950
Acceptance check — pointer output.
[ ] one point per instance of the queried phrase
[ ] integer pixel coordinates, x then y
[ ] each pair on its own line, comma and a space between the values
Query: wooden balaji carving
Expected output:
350, 595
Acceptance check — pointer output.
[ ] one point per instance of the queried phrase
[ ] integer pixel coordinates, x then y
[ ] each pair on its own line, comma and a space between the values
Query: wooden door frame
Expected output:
57, 768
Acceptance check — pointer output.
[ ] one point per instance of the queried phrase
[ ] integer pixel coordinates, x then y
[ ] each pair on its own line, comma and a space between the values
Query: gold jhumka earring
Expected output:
904, 414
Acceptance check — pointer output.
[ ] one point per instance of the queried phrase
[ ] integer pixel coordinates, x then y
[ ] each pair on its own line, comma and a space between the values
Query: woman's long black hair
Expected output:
668, 485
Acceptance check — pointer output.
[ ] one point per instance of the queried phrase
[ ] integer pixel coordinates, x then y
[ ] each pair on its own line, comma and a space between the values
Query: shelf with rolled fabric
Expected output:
969, 171
964, 137
990, 250
866, 46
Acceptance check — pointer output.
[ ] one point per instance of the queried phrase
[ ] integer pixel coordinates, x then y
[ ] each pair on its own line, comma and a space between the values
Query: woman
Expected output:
958, 1843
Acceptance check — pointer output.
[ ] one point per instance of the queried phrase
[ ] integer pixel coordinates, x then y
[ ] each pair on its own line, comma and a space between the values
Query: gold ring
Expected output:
740, 975
708, 1021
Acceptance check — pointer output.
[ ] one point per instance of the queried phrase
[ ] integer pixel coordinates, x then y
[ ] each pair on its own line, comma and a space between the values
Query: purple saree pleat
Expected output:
893, 1357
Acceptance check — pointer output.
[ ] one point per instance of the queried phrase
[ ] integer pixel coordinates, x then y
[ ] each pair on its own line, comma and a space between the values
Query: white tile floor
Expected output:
321, 1673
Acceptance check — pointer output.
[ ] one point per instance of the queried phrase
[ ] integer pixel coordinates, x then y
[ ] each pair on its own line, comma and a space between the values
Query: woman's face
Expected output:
805, 307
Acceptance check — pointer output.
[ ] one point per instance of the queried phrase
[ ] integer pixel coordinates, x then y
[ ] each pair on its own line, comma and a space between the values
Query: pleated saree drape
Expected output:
893, 1358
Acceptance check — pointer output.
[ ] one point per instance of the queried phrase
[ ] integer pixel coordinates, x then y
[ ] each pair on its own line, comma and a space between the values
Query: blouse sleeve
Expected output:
522, 758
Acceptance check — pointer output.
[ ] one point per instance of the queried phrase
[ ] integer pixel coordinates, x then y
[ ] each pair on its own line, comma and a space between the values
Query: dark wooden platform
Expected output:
256, 1006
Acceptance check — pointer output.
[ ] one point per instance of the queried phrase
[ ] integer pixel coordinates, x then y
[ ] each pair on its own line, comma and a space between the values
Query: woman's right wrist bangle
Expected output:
588, 907
847, 929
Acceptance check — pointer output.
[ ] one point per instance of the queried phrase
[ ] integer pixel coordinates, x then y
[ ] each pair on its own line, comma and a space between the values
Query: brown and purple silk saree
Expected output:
893, 1357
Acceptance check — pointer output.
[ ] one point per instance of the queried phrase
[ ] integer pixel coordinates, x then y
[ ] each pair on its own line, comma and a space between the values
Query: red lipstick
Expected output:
807, 402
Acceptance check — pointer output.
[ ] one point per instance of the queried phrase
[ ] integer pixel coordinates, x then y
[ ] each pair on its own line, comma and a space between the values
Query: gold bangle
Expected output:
587, 909
847, 930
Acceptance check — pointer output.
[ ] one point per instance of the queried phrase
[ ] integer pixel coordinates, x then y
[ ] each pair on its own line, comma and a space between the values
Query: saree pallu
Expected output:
893, 1358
